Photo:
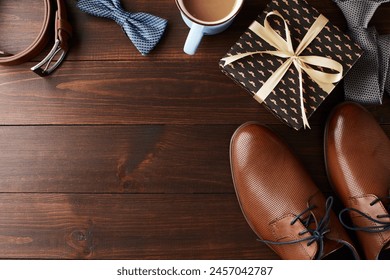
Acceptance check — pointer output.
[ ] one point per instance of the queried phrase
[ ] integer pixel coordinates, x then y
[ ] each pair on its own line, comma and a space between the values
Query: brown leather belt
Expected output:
63, 32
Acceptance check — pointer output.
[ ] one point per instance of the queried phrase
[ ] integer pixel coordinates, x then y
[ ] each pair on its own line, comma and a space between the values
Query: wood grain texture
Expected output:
104, 79
137, 93
151, 159
87, 226
124, 156
140, 159
102, 39
98, 39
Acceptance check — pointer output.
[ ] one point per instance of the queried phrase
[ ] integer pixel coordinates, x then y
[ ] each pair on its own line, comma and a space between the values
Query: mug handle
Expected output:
193, 39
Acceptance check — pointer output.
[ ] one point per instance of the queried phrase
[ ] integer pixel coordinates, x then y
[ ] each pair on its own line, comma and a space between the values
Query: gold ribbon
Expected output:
284, 49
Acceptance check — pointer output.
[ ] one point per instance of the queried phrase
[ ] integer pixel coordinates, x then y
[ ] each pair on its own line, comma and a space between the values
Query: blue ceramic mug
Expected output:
210, 22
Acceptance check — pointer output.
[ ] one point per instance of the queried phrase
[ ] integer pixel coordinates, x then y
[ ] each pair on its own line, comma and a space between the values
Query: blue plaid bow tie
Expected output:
144, 30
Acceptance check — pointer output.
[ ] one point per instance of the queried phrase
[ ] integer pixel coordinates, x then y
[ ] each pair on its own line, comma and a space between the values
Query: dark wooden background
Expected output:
123, 156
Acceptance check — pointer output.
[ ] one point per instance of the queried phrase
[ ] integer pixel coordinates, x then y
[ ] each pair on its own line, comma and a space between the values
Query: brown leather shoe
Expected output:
357, 155
279, 199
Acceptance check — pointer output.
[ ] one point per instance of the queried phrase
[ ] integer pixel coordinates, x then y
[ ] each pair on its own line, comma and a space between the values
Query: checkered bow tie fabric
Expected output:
143, 29
370, 77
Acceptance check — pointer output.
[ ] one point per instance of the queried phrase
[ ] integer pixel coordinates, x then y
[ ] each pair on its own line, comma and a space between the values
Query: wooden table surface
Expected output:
123, 156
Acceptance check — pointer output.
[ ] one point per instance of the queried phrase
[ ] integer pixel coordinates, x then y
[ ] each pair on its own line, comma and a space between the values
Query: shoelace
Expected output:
381, 225
317, 234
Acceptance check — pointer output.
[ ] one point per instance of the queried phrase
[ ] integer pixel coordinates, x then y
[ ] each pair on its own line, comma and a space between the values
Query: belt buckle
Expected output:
46, 67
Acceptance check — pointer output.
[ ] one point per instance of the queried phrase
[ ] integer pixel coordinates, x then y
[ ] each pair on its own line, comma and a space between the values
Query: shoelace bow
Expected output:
381, 225
316, 235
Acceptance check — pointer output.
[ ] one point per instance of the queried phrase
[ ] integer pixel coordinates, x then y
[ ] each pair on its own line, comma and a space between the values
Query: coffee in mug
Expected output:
209, 10
206, 17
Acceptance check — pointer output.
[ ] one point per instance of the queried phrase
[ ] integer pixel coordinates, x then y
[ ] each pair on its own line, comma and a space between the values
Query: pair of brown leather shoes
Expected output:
289, 213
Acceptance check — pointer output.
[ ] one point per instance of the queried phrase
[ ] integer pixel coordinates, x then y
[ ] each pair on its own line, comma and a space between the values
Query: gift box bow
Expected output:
284, 49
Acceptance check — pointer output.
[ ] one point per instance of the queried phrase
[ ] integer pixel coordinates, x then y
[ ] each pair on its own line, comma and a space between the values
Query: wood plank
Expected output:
134, 159
90, 44
114, 159
102, 39
136, 93
165, 87
126, 227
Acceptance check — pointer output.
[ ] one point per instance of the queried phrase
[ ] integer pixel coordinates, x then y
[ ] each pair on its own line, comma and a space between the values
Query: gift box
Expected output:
290, 59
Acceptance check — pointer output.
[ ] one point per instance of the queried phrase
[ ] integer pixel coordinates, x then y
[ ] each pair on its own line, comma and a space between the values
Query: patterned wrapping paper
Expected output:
252, 71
